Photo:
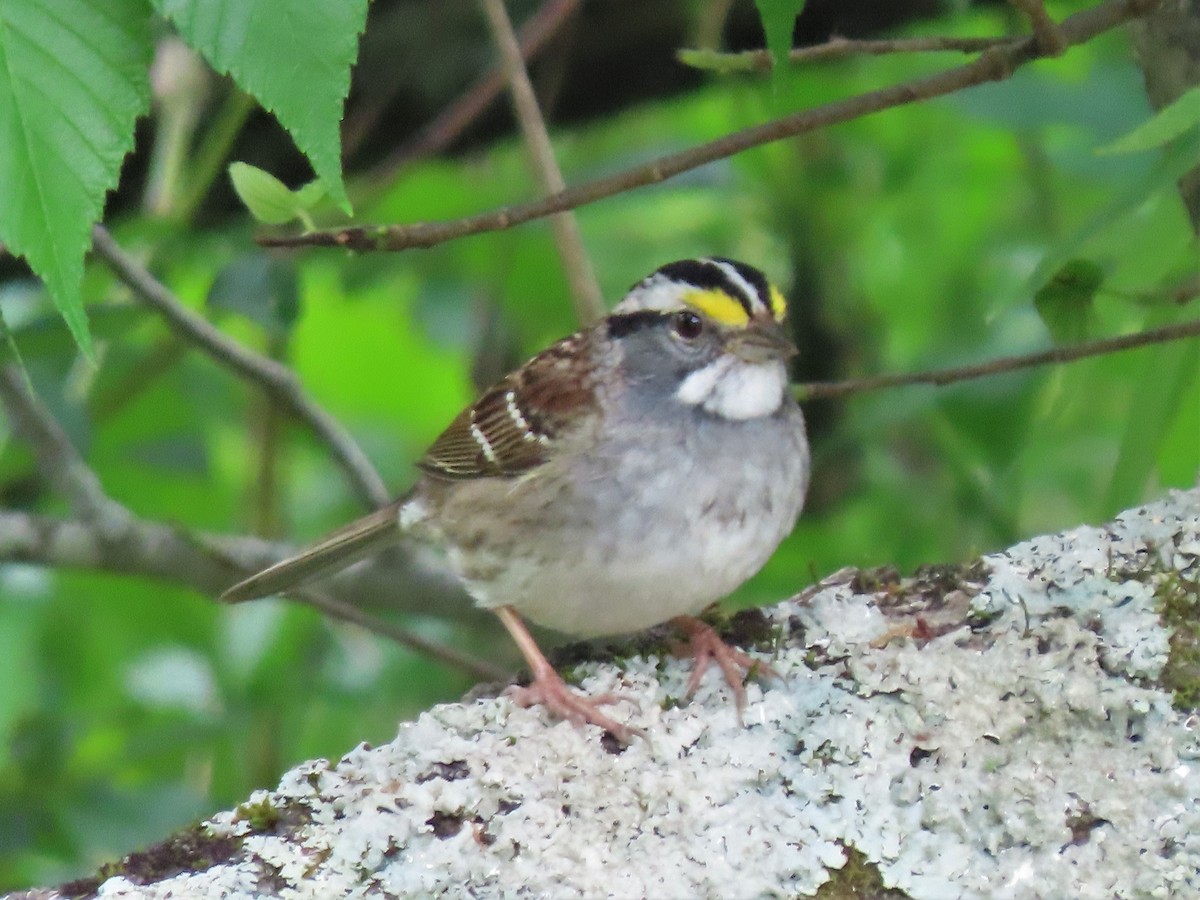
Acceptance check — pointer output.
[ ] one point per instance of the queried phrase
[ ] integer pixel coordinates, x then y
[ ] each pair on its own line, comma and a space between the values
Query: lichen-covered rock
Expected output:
1003, 729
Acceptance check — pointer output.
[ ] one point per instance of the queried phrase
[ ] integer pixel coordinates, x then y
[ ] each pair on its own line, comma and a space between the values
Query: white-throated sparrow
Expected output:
630, 474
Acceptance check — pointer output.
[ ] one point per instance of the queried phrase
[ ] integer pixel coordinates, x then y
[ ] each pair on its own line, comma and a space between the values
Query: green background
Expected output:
913, 239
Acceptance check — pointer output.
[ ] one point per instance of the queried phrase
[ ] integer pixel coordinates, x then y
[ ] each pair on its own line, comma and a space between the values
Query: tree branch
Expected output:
821, 390
107, 536
56, 459
585, 290
835, 48
279, 382
1045, 32
208, 563
995, 64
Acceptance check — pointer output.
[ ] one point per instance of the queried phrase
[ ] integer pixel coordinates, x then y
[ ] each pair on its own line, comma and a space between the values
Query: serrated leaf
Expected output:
293, 56
1172, 121
1065, 302
73, 79
778, 23
268, 199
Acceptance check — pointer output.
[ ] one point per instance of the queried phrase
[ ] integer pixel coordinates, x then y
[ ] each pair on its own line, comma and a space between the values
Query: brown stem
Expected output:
836, 48
1044, 30
585, 290
1181, 331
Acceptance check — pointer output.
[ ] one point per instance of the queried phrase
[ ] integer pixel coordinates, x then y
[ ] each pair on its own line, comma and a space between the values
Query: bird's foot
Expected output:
549, 690
707, 647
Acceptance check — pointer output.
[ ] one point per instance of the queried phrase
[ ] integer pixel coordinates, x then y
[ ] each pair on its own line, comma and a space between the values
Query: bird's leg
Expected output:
707, 647
549, 690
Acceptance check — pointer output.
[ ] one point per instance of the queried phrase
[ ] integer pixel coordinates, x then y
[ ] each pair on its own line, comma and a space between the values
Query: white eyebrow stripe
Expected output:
736, 278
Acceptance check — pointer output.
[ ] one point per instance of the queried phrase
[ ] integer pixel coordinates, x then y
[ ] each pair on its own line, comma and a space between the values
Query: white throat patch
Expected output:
734, 389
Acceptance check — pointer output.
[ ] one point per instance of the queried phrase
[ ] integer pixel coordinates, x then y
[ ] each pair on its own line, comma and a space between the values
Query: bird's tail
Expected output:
333, 552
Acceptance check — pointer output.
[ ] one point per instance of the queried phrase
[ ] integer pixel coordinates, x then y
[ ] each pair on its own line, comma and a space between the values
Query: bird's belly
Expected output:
588, 591
650, 546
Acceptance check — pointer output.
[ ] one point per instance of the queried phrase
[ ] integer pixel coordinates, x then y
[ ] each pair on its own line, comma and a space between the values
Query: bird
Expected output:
631, 474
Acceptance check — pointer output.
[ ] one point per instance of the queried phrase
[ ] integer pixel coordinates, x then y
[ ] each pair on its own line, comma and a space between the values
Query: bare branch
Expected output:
57, 460
277, 380
836, 48
1044, 30
1070, 353
107, 536
995, 64
208, 563
585, 290
532, 36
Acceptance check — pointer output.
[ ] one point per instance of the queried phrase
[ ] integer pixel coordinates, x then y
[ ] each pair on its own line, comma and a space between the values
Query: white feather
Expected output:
656, 292
734, 389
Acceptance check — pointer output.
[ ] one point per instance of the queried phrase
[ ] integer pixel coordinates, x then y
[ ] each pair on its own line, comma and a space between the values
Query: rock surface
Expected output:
1019, 727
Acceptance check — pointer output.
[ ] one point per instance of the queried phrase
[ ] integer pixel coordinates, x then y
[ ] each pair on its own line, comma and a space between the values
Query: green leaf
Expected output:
1065, 302
293, 56
268, 199
73, 79
1170, 122
778, 22
311, 194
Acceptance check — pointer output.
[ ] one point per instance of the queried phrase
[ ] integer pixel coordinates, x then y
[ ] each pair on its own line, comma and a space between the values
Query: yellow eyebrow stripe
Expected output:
718, 306
778, 304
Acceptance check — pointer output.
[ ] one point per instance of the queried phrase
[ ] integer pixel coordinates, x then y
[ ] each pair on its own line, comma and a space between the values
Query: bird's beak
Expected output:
762, 342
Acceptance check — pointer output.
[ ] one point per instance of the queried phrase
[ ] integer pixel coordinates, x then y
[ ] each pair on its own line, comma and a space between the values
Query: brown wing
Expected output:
513, 426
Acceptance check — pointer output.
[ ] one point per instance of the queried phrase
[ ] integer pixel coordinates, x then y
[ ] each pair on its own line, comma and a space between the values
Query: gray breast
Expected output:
655, 519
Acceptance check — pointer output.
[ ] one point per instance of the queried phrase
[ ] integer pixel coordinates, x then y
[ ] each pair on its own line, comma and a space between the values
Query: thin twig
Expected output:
277, 380
444, 130
995, 64
585, 290
836, 48
55, 456
821, 390
1045, 32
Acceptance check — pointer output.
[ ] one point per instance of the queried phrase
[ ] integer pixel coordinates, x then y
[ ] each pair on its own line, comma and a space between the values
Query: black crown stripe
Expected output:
753, 276
706, 276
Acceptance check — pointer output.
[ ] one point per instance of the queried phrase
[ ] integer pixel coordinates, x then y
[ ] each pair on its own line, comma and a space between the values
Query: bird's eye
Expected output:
688, 325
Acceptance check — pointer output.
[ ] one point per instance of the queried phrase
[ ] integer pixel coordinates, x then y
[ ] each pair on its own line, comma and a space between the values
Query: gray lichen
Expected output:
1021, 727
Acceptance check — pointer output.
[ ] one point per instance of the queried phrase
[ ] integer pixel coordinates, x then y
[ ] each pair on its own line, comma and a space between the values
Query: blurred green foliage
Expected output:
913, 239
77, 75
